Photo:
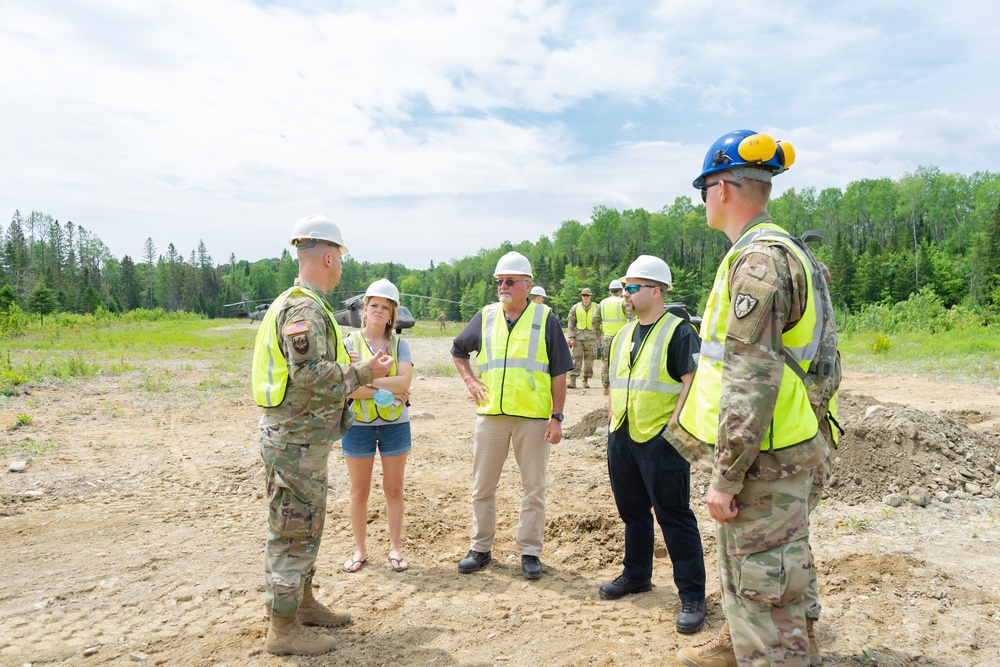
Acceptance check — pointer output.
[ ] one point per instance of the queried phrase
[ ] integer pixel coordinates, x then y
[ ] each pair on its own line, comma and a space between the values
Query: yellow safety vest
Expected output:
613, 316
269, 369
515, 364
365, 408
643, 391
794, 421
585, 316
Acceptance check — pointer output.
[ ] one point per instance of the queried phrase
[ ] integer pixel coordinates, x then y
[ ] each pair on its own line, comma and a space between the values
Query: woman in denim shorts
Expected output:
381, 426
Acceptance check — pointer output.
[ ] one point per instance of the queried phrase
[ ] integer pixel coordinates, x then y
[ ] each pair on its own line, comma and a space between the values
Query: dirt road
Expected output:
138, 539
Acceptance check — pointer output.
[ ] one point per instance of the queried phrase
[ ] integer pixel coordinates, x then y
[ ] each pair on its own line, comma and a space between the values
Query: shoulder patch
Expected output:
743, 305
300, 343
296, 328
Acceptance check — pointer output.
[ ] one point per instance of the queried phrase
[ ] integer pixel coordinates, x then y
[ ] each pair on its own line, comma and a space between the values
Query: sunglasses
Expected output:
509, 282
632, 289
704, 188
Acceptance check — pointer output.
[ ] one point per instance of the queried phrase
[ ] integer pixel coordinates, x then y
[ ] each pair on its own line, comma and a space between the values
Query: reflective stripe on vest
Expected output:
585, 316
794, 421
269, 369
365, 408
515, 364
613, 316
643, 391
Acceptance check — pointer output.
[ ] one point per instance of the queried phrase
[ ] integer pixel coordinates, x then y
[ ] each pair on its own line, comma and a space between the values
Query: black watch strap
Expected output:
558, 416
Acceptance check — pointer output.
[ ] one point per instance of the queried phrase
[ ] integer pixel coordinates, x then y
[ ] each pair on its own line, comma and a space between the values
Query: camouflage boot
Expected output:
815, 655
716, 652
571, 384
287, 636
313, 612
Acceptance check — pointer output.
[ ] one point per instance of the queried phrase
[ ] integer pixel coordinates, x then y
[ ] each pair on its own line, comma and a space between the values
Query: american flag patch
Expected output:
297, 328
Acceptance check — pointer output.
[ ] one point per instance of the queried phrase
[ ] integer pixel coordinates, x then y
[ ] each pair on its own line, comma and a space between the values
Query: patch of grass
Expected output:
102, 445
213, 384
156, 380
20, 422
859, 525
28, 447
881, 344
441, 370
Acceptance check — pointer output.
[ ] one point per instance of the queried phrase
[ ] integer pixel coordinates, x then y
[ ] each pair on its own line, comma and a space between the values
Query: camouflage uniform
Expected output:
765, 564
585, 350
295, 441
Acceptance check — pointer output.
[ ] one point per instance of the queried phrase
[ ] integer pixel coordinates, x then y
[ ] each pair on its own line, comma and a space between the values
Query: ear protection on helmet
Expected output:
749, 154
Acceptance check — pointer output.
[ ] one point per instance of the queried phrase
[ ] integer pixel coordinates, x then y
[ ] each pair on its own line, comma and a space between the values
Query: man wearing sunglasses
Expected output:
523, 360
759, 412
652, 361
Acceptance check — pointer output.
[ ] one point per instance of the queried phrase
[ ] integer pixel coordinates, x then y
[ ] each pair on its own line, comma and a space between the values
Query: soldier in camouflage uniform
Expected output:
302, 376
764, 319
582, 338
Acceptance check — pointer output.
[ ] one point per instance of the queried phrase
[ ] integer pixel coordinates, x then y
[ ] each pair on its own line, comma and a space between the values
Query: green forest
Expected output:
929, 233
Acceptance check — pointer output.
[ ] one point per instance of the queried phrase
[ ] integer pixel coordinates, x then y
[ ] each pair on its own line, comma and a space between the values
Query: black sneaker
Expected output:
691, 617
531, 567
623, 586
474, 561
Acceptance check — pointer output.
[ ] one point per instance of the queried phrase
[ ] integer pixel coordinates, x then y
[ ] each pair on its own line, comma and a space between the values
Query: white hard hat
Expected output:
653, 268
538, 290
615, 284
317, 228
383, 288
513, 263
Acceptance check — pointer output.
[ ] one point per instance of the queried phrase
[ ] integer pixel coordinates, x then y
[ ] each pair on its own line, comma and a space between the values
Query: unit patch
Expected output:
300, 343
744, 305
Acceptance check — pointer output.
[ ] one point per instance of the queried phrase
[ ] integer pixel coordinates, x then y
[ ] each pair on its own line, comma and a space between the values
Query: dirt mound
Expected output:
589, 423
890, 449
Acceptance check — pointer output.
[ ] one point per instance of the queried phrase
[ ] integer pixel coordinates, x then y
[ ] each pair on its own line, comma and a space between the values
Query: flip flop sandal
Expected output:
397, 564
354, 565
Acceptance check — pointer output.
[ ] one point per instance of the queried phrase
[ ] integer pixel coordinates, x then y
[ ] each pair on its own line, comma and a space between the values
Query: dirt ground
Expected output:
139, 538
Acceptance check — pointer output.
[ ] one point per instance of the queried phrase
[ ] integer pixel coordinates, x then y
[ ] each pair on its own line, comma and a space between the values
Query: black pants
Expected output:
653, 476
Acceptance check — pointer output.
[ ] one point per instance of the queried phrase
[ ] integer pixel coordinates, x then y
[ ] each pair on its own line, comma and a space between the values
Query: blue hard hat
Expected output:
747, 154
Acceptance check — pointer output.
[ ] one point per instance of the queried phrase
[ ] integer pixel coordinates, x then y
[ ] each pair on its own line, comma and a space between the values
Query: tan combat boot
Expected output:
313, 612
815, 655
288, 637
606, 391
571, 384
716, 652
586, 384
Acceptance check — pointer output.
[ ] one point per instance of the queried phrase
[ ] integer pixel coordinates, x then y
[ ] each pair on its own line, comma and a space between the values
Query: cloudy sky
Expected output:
430, 129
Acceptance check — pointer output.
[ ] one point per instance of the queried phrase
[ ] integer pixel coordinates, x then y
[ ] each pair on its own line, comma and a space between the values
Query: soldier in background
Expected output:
301, 376
610, 318
582, 338
760, 402
538, 294
442, 320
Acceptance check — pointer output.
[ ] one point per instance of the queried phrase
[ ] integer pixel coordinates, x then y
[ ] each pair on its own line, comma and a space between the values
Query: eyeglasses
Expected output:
509, 282
704, 188
632, 289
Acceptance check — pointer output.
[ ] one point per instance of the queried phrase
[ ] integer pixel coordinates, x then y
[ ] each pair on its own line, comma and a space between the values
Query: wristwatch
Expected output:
558, 416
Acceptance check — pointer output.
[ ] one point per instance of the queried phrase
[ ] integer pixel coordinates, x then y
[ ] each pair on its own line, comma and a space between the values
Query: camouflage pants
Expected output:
296, 490
765, 571
820, 479
605, 357
584, 354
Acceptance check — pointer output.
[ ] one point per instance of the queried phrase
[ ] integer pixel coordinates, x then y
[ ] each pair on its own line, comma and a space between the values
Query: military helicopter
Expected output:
350, 315
253, 309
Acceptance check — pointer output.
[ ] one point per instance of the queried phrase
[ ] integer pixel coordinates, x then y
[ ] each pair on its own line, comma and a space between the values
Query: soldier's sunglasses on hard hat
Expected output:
509, 282
704, 188
632, 289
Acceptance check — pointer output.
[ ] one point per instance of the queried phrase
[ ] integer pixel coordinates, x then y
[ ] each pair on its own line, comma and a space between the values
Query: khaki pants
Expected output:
495, 436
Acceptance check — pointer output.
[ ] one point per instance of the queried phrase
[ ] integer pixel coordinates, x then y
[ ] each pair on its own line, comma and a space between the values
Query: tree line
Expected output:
885, 240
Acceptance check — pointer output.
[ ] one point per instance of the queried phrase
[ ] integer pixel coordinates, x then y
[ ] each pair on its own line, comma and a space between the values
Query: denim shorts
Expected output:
391, 439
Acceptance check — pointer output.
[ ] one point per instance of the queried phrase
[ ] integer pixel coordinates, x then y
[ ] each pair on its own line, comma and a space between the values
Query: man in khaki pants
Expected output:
523, 360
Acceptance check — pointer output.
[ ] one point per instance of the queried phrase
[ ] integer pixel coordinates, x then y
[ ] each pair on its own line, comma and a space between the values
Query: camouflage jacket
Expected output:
752, 368
315, 409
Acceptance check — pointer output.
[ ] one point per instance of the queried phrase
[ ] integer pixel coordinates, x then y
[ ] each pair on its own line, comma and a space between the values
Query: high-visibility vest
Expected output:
585, 316
794, 420
365, 408
613, 316
269, 369
515, 364
643, 390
